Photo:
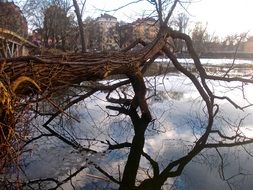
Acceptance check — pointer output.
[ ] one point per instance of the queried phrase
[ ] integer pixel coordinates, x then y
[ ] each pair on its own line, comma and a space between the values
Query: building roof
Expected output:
107, 17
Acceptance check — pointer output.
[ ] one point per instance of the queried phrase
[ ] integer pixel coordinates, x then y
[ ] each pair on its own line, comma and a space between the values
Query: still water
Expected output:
179, 119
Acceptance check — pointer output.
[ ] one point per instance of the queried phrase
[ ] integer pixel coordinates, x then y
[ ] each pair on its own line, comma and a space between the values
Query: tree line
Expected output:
60, 24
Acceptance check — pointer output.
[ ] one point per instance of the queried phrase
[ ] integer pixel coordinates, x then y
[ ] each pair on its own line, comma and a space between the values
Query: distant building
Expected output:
13, 31
106, 33
144, 28
126, 35
248, 46
11, 18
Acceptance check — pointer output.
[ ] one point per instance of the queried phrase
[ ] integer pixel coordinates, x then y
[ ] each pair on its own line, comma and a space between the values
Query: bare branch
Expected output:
222, 145
106, 174
153, 163
121, 7
166, 20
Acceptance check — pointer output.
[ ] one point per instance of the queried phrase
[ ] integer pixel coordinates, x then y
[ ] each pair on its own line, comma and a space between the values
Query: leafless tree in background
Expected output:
180, 22
56, 26
80, 24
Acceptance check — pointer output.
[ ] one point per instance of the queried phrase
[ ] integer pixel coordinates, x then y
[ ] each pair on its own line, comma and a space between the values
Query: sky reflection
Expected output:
186, 120
179, 120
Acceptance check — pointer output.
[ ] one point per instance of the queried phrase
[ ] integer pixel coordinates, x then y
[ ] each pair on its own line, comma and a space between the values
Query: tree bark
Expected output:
80, 25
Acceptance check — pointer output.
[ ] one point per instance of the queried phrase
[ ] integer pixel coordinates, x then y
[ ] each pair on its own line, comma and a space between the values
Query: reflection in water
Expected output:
179, 120
157, 96
186, 120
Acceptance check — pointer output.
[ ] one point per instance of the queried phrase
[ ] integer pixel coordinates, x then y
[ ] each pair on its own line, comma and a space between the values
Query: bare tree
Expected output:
80, 24
33, 11
56, 26
180, 23
199, 37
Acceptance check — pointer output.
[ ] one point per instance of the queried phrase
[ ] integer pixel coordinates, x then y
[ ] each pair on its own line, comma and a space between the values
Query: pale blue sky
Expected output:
224, 17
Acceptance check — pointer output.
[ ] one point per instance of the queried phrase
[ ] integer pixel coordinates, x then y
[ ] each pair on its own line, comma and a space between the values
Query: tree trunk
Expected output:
132, 165
140, 125
80, 25
133, 161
